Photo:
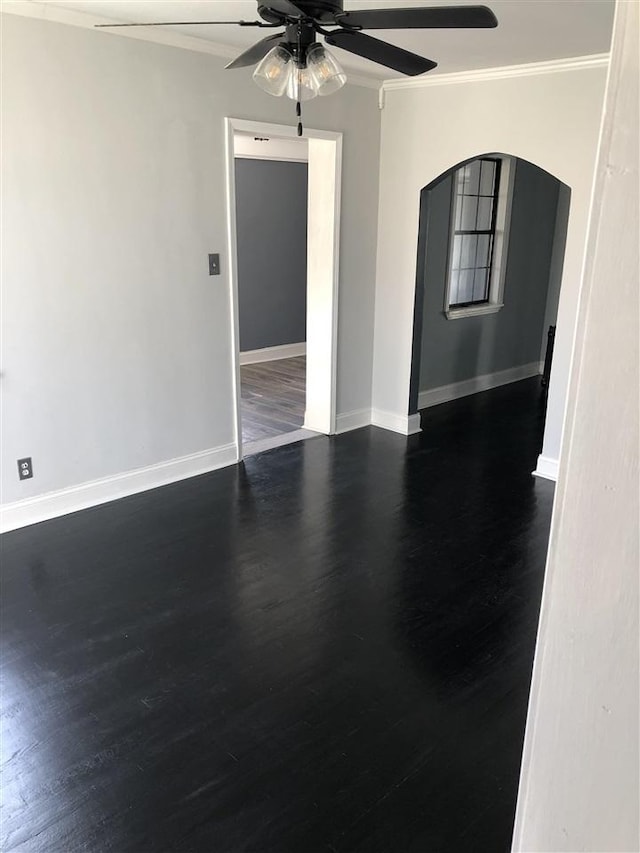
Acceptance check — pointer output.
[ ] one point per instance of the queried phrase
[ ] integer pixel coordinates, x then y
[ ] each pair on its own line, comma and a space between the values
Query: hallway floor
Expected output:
272, 397
326, 649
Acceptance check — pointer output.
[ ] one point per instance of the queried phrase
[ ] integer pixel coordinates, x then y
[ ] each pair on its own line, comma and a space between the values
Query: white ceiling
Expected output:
528, 30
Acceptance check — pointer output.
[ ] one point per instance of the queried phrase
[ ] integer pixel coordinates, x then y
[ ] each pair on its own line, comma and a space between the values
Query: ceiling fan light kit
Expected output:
279, 73
294, 64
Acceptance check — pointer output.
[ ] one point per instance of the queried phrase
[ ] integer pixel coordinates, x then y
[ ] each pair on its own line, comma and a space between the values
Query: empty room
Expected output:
319, 426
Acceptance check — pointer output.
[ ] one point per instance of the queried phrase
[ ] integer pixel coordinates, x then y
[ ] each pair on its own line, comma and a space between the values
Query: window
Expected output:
478, 217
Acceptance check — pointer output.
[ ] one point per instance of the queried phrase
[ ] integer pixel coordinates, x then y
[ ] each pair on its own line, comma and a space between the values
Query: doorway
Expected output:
284, 391
499, 221
271, 227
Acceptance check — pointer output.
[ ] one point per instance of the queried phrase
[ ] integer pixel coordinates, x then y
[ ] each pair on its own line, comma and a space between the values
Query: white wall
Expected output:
115, 341
270, 148
551, 119
579, 788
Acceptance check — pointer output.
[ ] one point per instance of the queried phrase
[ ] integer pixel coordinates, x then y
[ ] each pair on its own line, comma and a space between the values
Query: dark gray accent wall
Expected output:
271, 218
557, 264
455, 350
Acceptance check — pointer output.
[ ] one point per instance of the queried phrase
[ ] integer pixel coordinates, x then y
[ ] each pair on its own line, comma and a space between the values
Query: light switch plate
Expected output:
214, 264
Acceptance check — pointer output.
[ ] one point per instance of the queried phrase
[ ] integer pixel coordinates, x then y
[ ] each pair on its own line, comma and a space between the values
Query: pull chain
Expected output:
299, 60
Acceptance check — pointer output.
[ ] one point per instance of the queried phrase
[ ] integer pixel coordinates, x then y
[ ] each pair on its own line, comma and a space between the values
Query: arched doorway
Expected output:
503, 220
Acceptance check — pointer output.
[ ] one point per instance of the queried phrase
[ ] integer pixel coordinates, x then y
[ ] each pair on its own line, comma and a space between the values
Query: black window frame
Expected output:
491, 231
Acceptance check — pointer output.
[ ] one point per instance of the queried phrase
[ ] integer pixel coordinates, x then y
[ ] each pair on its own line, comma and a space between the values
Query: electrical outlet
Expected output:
214, 264
25, 468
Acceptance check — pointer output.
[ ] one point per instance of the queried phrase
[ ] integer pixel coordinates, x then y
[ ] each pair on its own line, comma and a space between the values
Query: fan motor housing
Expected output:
323, 11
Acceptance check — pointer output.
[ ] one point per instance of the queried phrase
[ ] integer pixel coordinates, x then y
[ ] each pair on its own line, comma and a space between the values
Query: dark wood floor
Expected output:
272, 397
327, 648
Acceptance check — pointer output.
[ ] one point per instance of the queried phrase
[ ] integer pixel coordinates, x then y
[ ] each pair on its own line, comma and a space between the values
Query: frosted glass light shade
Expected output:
273, 72
327, 75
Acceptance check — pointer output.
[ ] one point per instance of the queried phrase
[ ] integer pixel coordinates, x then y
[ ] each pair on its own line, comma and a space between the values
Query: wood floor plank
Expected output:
272, 397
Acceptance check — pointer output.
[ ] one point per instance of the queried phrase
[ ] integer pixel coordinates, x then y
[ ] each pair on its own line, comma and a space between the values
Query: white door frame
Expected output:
323, 235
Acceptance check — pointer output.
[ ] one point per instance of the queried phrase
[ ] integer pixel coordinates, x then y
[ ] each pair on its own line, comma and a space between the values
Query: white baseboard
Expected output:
404, 424
445, 393
85, 495
414, 424
255, 356
353, 420
547, 468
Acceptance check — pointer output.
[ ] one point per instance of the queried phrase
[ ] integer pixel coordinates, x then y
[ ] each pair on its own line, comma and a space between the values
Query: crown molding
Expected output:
530, 69
157, 35
364, 82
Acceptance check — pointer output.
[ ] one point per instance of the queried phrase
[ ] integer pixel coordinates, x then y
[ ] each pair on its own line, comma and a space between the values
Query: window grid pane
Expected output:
469, 212
480, 284
453, 286
485, 213
487, 179
469, 249
457, 248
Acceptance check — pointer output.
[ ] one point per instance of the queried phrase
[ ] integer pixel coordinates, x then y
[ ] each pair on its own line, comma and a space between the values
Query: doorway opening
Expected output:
271, 177
491, 247
283, 211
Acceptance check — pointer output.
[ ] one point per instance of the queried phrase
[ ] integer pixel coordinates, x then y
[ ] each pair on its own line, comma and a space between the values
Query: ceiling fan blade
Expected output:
256, 52
187, 24
381, 52
434, 17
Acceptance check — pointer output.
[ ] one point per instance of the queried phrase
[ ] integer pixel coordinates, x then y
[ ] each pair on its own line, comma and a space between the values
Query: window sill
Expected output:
473, 310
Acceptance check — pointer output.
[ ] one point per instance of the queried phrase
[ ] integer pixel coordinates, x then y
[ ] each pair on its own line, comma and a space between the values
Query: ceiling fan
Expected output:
292, 62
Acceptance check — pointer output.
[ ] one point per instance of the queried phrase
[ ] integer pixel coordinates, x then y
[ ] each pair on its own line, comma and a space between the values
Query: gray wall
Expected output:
113, 170
556, 265
455, 350
271, 218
